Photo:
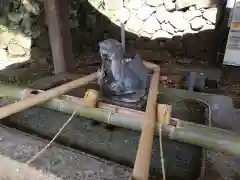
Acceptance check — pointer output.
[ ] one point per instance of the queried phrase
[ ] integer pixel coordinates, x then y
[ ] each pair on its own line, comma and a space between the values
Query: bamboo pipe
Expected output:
178, 130
45, 96
144, 152
22, 93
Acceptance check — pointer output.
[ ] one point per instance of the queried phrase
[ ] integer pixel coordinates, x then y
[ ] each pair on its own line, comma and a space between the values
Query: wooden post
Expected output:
144, 152
60, 35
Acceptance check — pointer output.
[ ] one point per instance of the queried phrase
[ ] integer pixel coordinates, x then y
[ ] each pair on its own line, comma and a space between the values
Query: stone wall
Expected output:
154, 27
160, 18
184, 27
19, 28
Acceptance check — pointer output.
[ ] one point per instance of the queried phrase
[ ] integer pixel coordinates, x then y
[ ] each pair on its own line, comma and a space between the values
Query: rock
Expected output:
91, 20
134, 4
19, 59
144, 34
162, 14
209, 22
15, 49
150, 55
178, 34
204, 4
113, 5
5, 37
3, 55
31, 6
181, 4
4, 4
2, 65
14, 26
27, 24
190, 41
197, 23
24, 40
145, 12
151, 25
154, 3
208, 27
3, 20
134, 23
34, 66
191, 14
15, 17
15, 4
207, 36
36, 32
43, 41
189, 30
169, 5
177, 20
3, 28
210, 14
175, 45
168, 28
37, 53
123, 15
40, 55
162, 35
153, 45
192, 8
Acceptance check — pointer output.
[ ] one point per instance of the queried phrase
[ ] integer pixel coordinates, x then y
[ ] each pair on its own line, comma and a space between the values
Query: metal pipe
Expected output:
45, 96
123, 37
144, 152
182, 131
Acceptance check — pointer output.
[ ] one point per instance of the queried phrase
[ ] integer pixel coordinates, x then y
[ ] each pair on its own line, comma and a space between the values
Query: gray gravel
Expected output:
57, 161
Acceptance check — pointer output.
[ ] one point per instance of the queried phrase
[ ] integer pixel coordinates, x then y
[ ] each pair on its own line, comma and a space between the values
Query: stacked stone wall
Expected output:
180, 27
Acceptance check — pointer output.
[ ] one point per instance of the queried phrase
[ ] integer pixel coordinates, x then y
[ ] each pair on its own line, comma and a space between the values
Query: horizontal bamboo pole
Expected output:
195, 134
45, 96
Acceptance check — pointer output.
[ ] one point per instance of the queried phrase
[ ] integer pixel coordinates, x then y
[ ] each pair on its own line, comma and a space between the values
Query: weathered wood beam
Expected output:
60, 35
45, 96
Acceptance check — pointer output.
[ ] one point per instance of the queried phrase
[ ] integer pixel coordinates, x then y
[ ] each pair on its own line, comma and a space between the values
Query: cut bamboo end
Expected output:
164, 114
90, 99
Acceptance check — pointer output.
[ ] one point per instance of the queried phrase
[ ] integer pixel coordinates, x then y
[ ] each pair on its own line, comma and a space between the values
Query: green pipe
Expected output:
187, 132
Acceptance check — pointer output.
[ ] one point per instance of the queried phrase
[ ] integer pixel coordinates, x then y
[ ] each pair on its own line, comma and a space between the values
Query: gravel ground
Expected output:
55, 163
59, 163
